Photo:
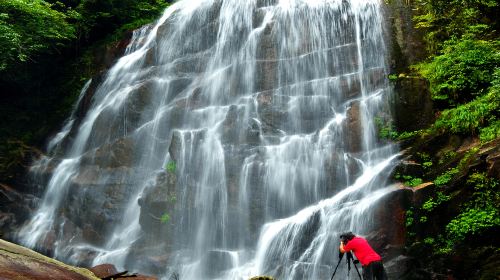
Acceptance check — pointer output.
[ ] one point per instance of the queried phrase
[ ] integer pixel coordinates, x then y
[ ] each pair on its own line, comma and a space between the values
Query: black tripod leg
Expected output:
359, 274
335, 271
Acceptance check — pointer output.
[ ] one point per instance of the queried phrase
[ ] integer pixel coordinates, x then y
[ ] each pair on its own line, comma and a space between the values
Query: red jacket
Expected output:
363, 251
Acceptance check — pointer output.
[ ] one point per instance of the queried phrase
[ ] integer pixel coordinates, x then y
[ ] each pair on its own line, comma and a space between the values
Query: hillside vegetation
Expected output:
48, 49
453, 231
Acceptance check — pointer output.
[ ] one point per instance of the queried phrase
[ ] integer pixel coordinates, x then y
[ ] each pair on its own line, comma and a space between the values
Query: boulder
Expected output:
17, 262
216, 262
108, 271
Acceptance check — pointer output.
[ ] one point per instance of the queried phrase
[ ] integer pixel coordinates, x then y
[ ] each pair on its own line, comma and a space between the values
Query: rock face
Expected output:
228, 143
17, 262
464, 259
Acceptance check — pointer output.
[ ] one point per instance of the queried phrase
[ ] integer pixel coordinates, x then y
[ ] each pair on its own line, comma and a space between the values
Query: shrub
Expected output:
29, 28
446, 177
463, 70
472, 222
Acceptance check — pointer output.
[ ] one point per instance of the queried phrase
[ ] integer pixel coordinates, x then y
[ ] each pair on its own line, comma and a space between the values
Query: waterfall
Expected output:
233, 138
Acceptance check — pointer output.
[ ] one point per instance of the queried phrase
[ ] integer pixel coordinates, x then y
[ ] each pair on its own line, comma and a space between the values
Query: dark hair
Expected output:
347, 236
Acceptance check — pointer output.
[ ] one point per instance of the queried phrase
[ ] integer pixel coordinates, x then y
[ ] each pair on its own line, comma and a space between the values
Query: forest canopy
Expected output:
31, 28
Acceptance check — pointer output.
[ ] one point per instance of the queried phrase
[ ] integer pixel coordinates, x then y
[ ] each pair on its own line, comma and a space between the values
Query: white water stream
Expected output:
266, 109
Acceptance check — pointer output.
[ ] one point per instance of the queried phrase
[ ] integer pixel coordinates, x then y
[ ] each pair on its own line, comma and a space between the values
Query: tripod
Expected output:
350, 259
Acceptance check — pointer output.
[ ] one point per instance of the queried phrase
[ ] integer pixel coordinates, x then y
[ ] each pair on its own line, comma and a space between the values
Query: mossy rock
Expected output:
262, 278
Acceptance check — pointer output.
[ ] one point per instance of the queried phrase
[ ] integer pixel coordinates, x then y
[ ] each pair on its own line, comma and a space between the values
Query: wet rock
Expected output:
148, 255
266, 72
272, 111
150, 59
158, 200
108, 271
258, 17
230, 131
266, 3
406, 41
353, 129
16, 208
104, 270
17, 262
216, 262
412, 93
423, 192
175, 146
398, 267
410, 168
389, 215
118, 154
349, 86
490, 152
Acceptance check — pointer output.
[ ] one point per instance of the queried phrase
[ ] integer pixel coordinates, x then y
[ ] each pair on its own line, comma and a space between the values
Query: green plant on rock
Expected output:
409, 218
171, 166
430, 241
392, 77
472, 116
486, 191
411, 181
463, 70
472, 222
446, 177
432, 203
165, 218
481, 213
385, 129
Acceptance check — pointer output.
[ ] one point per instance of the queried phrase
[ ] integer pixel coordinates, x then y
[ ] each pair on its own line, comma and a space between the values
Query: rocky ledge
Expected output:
17, 262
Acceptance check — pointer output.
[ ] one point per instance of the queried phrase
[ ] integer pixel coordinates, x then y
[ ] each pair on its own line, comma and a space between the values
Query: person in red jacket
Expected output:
369, 259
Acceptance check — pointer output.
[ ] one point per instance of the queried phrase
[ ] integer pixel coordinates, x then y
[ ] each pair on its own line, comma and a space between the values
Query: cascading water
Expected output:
234, 138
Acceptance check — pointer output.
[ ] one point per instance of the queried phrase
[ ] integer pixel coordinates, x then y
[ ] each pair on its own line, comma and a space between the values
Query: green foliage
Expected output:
393, 77
481, 212
413, 182
446, 177
463, 70
444, 19
48, 49
29, 28
385, 128
486, 191
409, 180
171, 166
472, 222
429, 241
165, 218
99, 18
432, 203
409, 134
447, 155
409, 218
468, 118
491, 132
